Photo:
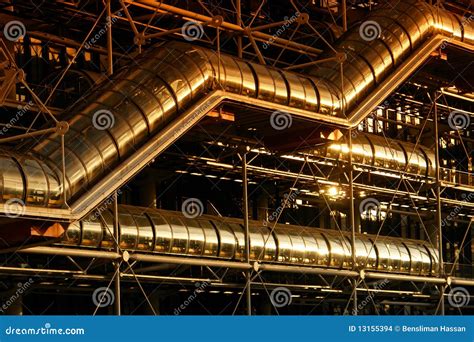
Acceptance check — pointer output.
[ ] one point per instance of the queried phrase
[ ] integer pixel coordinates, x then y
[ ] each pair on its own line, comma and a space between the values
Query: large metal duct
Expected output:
385, 153
170, 77
168, 232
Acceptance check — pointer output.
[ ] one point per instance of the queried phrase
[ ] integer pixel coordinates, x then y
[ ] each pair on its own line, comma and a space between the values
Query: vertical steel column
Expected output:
352, 217
245, 209
344, 15
118, 310
110, 64
438, 202
239, 22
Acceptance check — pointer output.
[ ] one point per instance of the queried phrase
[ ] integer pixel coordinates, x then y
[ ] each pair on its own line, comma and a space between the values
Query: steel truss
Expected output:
313, 171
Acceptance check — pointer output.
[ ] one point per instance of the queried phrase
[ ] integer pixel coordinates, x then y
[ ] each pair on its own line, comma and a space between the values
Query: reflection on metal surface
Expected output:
385, 153
146, 97
172, 233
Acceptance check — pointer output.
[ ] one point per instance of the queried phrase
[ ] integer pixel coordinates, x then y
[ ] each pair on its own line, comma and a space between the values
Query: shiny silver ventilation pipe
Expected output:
155, 231
119, 117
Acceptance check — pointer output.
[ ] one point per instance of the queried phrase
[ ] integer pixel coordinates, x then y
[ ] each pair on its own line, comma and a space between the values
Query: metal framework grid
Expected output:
312, 170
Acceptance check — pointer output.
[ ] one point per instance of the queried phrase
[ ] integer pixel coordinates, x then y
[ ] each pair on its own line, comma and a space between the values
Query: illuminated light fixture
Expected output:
331, 290
227, 166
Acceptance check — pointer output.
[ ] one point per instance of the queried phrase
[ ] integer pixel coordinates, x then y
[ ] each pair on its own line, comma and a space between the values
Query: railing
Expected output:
460, 270
457, 177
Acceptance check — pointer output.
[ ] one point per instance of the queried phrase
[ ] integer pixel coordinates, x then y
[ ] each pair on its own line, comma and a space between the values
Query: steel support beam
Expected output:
245, 210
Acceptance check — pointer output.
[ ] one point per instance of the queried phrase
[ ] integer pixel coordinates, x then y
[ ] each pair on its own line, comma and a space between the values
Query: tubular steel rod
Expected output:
159, 6
28, 135
352, 218
64, 251
245, 209
307, 270
118, 309
189, 261
400, 277
110, 61
344, 15
438, 201
74, 252
239, 23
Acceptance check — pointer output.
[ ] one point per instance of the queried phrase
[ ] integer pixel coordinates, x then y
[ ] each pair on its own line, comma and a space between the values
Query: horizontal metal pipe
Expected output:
462, 282
74, 252
189, 261
401, 277
34, 271
126, 113
160, 6
156, 232
167, 278
235, 265
307, 270
28, 135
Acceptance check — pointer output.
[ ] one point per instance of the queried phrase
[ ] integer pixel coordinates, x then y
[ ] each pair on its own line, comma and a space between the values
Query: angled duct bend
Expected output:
142, 98
374, 47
